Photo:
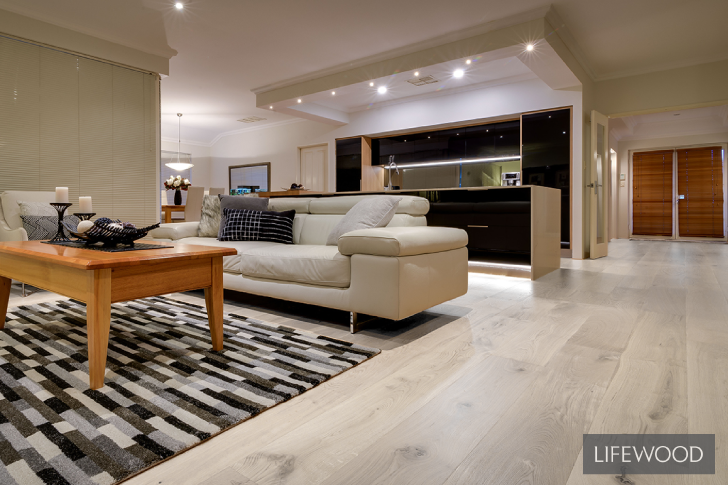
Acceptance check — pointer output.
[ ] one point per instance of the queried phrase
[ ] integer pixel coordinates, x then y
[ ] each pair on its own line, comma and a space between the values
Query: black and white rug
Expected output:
166, 389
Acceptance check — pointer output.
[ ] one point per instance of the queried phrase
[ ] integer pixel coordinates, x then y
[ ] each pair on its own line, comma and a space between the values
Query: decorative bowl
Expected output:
111, 233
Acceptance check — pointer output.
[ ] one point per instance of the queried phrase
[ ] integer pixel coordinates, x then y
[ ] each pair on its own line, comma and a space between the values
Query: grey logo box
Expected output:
641, 454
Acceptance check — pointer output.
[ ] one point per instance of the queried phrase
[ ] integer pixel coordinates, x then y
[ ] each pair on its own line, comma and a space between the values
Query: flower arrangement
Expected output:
176, 183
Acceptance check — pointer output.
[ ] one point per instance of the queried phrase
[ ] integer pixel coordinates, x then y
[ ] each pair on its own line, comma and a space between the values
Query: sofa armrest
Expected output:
7, 234
402, 241
175, 230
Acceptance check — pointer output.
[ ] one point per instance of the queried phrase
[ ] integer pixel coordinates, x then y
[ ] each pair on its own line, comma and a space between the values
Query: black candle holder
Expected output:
84, 216
61, 208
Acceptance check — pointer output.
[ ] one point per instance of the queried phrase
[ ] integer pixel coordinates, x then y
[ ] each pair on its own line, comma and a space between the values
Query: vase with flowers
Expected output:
178, 184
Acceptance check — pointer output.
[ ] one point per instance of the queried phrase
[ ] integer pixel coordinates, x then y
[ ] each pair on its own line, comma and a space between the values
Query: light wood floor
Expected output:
498, 386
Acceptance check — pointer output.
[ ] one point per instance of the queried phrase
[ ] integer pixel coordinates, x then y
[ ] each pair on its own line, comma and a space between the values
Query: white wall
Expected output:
201, 172
279, 144
623, 155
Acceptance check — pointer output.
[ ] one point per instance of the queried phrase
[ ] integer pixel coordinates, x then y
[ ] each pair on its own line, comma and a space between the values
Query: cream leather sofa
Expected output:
11, 225
391, 272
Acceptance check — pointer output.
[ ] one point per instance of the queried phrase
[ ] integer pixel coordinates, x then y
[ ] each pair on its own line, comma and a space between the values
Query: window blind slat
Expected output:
80, 123
59, 149
19, 115
95, 130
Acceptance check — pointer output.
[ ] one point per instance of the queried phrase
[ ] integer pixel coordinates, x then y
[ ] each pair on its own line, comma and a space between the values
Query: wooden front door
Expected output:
652, 174
700, 192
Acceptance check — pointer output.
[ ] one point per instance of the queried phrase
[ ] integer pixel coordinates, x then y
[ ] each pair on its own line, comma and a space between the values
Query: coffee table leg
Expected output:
98, 322
214, 301
4, 299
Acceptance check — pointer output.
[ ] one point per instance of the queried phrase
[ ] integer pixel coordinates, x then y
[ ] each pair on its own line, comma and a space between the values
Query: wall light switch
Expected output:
621, 184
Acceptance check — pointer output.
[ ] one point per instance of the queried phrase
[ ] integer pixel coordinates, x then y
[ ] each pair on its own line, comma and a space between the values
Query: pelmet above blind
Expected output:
652, 193
79, 123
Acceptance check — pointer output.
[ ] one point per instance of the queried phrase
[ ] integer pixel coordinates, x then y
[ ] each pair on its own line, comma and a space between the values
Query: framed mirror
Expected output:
246, 179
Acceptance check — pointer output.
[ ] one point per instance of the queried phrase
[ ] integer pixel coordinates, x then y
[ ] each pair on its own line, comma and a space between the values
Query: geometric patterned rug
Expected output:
165, 390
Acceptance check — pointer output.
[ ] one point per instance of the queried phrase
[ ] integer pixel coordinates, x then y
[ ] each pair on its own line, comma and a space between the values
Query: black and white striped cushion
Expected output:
250, 225
41, 228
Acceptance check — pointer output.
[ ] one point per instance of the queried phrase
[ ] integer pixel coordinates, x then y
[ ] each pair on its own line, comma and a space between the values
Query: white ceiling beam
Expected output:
316, 112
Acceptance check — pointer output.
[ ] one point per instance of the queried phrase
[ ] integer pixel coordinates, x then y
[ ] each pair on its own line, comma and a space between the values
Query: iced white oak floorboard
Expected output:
642, 347
707, 398
543, 428
424, 448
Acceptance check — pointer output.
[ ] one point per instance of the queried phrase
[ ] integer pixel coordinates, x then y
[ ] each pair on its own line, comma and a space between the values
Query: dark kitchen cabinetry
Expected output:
348, 164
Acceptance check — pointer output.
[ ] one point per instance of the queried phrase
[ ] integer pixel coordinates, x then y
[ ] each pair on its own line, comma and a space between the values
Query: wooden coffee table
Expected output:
100, 279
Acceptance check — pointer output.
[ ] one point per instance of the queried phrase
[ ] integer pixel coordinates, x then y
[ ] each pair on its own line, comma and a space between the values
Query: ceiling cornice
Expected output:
37, 15
564, 34
256, 128
186, 142
696, 61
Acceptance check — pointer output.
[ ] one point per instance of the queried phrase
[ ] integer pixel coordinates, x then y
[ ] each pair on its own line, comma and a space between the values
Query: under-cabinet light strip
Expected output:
457, 162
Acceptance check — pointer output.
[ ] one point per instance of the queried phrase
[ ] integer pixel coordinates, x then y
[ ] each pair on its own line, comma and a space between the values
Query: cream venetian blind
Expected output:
66, 120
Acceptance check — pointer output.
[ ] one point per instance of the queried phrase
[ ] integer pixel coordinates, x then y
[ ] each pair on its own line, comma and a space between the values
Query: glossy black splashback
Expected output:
472, 142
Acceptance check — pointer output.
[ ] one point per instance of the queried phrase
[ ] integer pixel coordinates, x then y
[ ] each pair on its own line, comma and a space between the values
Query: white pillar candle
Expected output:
62, 195
84, 204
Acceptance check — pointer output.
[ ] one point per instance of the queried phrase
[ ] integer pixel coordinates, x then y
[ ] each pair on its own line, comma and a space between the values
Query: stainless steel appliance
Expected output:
510, 178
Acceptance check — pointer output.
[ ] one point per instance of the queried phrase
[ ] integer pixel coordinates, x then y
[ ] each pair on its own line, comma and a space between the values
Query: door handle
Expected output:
593, 185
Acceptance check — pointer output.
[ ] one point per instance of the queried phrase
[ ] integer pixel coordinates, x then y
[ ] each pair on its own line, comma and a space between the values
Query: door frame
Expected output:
326, 168
675, 236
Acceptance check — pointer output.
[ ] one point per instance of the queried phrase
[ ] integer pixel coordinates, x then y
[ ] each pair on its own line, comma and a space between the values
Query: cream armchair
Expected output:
11, 225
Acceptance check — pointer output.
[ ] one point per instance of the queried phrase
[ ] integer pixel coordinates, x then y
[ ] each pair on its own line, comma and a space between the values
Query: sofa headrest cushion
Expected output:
298, 204
416, 206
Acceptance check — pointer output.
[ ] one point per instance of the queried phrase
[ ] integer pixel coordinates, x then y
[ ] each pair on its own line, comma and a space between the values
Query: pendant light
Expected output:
179, 165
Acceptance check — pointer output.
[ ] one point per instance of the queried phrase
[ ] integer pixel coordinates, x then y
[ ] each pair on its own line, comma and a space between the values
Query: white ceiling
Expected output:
228, 47
356, 98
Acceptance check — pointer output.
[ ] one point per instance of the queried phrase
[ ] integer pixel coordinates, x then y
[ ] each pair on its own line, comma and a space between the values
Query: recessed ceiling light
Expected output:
382, 89
529, 47
333, 93
468, 61
179, 6
271, 107
428, 137
299, 100
417, 73
371, 84
458, 73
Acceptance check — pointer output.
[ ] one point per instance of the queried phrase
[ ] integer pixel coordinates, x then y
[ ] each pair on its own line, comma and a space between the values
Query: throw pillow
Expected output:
41, 228
37, 209
375, 211
239, 202
210, 217
249, 225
